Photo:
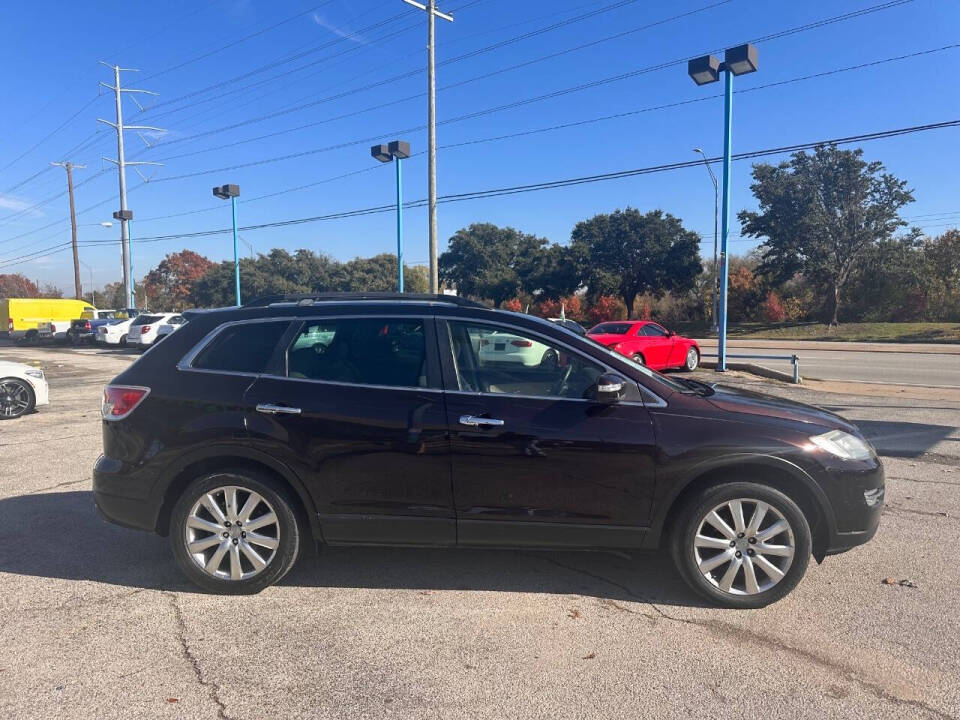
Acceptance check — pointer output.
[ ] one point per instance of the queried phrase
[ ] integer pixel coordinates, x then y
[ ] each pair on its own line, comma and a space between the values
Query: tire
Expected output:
638, 358
692, 361
31, 338
16, 398
123, 341
285, 534
714, 543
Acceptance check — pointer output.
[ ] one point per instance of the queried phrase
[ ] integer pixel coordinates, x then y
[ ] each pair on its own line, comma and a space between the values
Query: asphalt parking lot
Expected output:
96, 621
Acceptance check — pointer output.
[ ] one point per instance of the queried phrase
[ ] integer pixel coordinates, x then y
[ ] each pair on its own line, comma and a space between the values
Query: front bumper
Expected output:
857, 497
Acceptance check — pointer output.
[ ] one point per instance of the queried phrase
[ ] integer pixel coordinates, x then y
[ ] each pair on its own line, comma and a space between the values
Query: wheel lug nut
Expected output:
243, 534
226, 523
739, 535
751, 553
239, 523
234, 541
226, 534
739, 554
733, 543
753, 540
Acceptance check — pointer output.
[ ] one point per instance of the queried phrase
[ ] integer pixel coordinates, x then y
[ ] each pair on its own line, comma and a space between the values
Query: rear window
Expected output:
246, 347
147, 319
611, 329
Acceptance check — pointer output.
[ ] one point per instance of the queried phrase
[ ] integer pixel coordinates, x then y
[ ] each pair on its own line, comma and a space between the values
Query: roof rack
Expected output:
311, 298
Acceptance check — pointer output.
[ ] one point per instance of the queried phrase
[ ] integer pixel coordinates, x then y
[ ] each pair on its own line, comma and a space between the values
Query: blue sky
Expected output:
51, 53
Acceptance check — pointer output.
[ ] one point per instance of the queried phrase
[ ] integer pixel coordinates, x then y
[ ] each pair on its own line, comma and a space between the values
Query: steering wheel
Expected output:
560, 386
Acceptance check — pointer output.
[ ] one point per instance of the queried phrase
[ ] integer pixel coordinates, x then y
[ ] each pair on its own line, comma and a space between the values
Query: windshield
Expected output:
611, 329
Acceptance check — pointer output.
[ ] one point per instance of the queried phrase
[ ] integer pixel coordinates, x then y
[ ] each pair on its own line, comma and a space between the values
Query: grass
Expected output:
916, 332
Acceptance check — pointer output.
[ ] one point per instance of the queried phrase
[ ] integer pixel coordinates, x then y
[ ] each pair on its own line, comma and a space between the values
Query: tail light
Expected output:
121, 400
144, 329
521, 343
10, 324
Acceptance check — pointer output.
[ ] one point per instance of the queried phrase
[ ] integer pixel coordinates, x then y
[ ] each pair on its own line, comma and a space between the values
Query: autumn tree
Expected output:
168, 286
629, 253
820, 213
17, 286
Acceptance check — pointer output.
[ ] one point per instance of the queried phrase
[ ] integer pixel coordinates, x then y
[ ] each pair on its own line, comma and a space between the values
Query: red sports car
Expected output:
648, 343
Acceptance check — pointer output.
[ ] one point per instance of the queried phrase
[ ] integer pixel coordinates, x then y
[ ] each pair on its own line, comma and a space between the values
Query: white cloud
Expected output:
339, 32
9, 202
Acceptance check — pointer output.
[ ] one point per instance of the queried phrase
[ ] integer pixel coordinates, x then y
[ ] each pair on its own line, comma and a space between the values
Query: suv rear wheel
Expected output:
235, 532
741, 544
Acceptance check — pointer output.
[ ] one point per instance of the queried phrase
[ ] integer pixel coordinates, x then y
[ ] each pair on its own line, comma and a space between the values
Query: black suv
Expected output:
431, 420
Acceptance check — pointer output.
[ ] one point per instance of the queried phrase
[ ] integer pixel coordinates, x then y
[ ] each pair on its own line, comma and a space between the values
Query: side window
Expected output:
651, 330
500, 359
246, 347
364, 351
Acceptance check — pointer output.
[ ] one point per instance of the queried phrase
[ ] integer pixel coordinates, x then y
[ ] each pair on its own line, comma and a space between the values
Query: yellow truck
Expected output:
23, 315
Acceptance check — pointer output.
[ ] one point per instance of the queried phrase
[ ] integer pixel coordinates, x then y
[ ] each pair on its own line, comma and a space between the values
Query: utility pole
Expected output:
432, 12
124, 215
69, 167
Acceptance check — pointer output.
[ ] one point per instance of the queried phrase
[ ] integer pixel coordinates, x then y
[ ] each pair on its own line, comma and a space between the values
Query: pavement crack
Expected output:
928, 513
924, 482
53, 487
212, 688
739, 635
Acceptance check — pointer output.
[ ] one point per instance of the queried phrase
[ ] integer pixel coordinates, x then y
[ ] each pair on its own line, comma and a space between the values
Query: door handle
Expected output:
474, 421
269, 409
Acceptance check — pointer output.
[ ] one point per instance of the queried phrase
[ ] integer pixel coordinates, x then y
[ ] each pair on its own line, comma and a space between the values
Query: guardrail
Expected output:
794, 360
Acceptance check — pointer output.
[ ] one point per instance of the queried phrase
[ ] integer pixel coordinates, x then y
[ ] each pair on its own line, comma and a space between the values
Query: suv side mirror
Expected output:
609, 388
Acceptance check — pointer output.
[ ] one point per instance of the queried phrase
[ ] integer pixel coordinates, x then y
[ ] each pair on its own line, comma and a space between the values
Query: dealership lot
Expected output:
97, 622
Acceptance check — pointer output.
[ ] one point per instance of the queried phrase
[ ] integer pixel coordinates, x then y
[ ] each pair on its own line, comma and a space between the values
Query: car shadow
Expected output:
67, 539
903, 439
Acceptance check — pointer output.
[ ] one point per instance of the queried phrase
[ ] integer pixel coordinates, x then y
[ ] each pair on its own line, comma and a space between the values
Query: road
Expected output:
898, 364
96, 621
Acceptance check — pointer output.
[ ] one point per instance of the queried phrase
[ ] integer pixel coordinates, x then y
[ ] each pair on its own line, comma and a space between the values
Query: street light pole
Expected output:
702, 70
716, 236
386, 153
399, 225
725, 221
232, 192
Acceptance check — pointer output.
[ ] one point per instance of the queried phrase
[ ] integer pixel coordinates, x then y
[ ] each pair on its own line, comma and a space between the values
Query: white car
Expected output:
22, 388
56, 330
167, 328
143, 329
504, 348
114, 333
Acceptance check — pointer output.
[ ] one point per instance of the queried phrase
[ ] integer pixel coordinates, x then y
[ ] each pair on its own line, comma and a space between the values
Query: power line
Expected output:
559, 126
519, 189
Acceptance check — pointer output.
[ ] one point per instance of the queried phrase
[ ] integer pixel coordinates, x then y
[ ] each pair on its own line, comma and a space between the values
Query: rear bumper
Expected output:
124, 495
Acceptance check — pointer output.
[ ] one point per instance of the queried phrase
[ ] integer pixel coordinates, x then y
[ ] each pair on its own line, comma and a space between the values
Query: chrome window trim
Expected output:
185, 363
660, 402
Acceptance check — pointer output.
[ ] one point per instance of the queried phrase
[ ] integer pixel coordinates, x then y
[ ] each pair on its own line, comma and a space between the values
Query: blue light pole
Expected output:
386, 153
736, 61
232, 192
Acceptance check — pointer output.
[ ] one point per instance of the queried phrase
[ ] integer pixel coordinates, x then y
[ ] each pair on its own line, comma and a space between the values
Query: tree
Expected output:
606, 307
628, 253
487, 261
17, 286
820, 213
773, 310
377, 274
168, 286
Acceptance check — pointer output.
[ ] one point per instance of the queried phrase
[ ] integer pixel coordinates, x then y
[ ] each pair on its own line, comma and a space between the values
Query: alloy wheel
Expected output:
232, 533
744, 546
14, 398
693, 359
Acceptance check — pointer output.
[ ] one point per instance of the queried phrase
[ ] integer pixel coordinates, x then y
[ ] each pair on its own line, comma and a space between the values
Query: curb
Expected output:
753, 369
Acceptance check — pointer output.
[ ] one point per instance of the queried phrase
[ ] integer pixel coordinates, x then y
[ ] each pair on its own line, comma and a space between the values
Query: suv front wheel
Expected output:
741, 544
235, 532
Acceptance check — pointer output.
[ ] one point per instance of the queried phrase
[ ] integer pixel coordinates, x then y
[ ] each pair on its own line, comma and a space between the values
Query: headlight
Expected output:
34, 373
843, 445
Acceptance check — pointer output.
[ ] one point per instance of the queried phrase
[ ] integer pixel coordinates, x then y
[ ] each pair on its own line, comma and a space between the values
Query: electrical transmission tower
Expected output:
124, 215
431, 9
70, 167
